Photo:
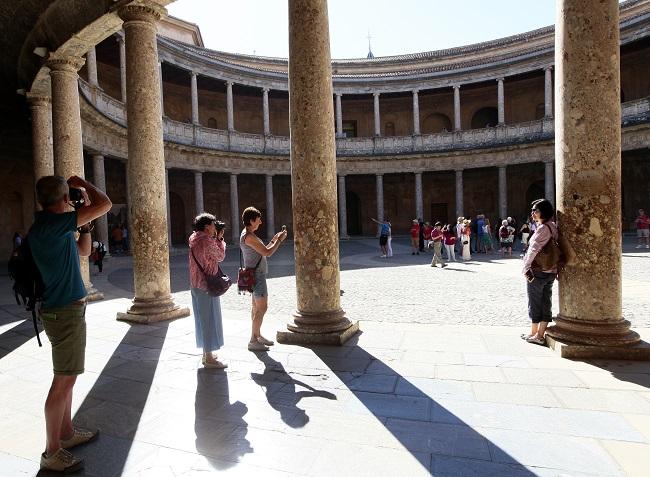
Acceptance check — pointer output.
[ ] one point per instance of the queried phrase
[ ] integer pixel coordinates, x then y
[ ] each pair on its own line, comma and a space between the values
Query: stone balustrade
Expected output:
222, 140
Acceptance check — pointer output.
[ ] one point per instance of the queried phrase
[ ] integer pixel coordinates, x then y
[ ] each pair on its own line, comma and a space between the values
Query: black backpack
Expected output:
28, 283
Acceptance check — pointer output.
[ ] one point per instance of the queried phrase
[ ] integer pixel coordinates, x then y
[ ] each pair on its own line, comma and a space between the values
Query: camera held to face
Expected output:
76, 197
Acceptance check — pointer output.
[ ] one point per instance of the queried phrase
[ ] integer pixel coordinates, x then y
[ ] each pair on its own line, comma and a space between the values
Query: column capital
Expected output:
458, 171
266, 90
379, 174
70, 64
338, 94
415, 91
548, 68
235, 174
119, 37
193, 73
229, 83
455, 86
37, 101
97, 155
342, 175
150, 13
500, 80
376, 95
269, 174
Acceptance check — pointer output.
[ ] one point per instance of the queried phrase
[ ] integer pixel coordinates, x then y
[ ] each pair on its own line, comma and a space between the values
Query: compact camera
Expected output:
76, 197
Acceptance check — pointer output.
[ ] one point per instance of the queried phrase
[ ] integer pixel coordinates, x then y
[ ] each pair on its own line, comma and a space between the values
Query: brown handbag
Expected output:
218, 284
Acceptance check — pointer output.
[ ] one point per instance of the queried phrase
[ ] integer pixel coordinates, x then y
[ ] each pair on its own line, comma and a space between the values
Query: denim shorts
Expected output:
65, 327
259, 289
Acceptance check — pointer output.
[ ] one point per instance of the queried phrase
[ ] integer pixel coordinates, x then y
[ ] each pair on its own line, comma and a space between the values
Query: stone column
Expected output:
377, 119
41, 136
459, 194
318, 317
229, 106
503, 192
419, 206
120, 42
195, 99
236, 225
416, 113
379, 189
548, 92
151, 278
500, 102
66, 134
198, 192
129, 222
343, 211
549, 181
265, 111
99, 176
270, 211
457, 107
162, 90
168, 205
339, 116
588, 173
91, 66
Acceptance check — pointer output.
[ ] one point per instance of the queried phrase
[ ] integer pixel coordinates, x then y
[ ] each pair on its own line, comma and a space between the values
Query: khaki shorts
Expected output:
66, 329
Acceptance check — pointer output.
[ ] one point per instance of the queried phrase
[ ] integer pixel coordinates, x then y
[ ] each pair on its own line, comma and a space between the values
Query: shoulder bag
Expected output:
246, 276
218, 284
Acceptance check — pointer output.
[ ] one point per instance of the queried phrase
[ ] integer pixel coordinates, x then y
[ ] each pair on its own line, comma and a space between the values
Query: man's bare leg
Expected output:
58, 411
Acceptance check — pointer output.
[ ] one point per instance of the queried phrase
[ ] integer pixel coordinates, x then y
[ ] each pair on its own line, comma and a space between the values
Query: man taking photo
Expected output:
56, 252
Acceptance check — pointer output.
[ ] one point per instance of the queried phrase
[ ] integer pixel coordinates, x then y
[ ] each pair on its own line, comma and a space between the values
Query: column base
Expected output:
152, 310
636, 352
599, 333
328, 328
92, 294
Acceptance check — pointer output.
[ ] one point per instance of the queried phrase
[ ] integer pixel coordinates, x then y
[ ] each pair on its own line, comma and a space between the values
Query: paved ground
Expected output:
426, 388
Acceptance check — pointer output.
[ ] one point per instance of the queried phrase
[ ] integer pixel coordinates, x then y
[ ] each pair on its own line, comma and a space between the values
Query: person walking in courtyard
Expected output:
207, 250
99, 252
437, 238
480, 222
384, 232
389, 244
458, 228
415, 240
56, 253
449, 237
642, 229
506, 237
486, 238
427, 236
525, 233
539, 286
466, 233
254, 254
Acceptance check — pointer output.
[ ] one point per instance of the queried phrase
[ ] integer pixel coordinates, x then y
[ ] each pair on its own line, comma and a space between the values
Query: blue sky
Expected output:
396, 26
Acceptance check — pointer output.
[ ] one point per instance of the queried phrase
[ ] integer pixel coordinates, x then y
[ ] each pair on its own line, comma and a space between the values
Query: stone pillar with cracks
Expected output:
265, 111
229, 106
457, 107
120, 42
198, 192
91, 66
99, 176
548, 92
194, 93
42, 154
416, 113
376, 111
501, 102
339, 116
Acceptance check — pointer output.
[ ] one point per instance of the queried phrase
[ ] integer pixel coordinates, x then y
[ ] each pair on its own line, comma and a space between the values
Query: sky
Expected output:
396, 26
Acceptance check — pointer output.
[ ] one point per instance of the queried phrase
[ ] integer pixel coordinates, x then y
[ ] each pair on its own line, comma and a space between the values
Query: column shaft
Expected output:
379, 190
588, 172
459, 194
236, 225
162, 90
229, 106
343, 212
548, 92
91, 66
168, 205
99, 176
313, 176
416, 113
503, 192
265, 111
457, 108
148, 227
419, 206
41, 136
339, 116
195, 99
120, 42
377, 118
270, 211
198, 192
501, 102
549, 181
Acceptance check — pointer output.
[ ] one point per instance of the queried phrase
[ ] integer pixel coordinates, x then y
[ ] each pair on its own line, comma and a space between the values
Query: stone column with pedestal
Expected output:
343, 210
122, 53
99, 176
500, 103
198, 192
236, 225
91, 67
376, 111
270, 211
339, 116
590, 323
194, 93
457, 107
416, 113
265, 111
549, 181
459, 194
229, 106
503, 192
66, 134
419, 205
42, 154
318, 317
548, 92
151, 276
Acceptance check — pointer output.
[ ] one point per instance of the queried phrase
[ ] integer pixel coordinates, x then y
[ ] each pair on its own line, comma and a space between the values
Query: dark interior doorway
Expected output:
439, 212
353, 209
178, 219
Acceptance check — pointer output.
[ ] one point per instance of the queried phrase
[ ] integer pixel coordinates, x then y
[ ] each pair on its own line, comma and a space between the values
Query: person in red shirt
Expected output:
415, 237
427, 235
642, 229
449, 234
436, 238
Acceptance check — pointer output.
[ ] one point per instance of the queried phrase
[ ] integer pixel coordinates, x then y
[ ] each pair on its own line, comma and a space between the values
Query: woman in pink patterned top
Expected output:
208, 248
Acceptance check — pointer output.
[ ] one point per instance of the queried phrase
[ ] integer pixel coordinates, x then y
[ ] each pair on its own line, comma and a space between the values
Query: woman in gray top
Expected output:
254, 254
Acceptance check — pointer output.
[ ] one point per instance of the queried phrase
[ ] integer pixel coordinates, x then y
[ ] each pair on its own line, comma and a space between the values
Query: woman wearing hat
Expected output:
466, 233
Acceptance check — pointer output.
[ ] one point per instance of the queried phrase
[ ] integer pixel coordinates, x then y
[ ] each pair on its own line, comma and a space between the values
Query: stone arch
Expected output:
540, 111
487, 117
435, 123
177, 217
212, 123
389, 129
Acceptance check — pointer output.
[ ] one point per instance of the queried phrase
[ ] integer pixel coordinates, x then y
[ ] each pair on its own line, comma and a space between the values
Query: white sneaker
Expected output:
256, 346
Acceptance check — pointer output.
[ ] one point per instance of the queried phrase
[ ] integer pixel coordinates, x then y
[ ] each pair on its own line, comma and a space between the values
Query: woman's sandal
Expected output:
536, 340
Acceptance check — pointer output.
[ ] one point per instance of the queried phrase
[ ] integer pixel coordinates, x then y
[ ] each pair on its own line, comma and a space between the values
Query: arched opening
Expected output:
177, 216
436, 123
389, 129
485, 118
353, 213
212, 123
540, 111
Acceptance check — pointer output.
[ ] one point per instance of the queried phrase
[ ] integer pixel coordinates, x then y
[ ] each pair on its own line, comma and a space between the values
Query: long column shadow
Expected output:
15, 337
421, 424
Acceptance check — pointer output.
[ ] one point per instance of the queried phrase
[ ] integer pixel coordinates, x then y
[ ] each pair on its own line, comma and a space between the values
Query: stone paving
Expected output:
438, 383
